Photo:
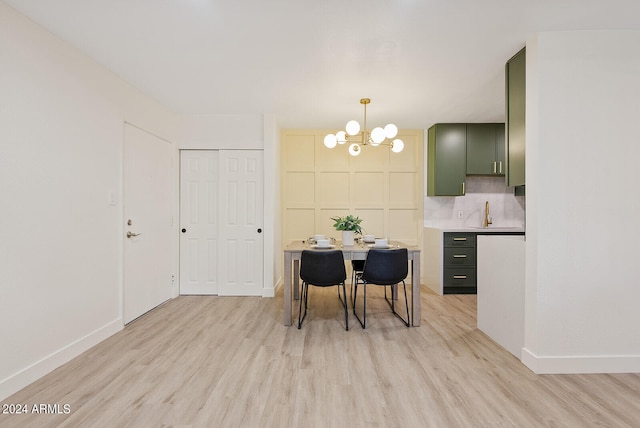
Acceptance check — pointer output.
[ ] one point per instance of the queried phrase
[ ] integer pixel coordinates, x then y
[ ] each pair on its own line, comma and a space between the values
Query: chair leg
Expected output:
346, 312
304, 296
344, 289
354, 292
406, 322
353, 279
345, 294
364, 305
363, 321
406, 304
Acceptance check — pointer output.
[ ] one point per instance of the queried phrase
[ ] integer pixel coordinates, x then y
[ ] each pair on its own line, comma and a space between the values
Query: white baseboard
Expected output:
581, 364
35, 371
278, 284
268, 292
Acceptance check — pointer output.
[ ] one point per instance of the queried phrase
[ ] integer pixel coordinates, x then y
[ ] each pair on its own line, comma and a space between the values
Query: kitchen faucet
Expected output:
487, 220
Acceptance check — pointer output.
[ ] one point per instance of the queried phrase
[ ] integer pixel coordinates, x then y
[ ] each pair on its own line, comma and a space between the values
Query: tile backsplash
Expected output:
505, 209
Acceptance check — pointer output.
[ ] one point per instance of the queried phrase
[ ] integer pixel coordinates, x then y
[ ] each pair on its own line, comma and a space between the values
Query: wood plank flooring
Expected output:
229, 362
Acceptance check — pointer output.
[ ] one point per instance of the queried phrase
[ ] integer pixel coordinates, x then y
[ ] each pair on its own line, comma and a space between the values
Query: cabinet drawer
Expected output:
459, 277
463, 256
459, 239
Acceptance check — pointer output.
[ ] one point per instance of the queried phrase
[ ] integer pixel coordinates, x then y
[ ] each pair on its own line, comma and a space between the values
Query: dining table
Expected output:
358, 251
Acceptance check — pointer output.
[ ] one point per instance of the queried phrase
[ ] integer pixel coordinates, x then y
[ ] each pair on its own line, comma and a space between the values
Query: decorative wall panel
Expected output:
381, 187
402, 224
333, 189
405, 160
298, 151
404, 189
369, 189
299, 189
298, 224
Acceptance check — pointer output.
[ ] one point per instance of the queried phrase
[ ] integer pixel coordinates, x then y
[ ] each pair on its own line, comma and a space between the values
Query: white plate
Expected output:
317, 247
382, 247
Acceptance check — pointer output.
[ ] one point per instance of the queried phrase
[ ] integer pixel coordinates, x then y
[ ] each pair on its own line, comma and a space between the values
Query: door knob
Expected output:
131, 234
184, 230
259, 230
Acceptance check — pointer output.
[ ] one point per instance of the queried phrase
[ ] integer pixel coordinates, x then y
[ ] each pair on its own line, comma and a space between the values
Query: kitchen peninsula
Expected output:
451, 254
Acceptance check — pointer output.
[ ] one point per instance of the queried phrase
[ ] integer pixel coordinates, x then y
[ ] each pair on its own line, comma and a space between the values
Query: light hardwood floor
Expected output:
229, 362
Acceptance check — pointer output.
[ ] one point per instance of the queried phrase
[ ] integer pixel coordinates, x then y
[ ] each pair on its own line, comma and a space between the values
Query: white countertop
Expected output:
490, 229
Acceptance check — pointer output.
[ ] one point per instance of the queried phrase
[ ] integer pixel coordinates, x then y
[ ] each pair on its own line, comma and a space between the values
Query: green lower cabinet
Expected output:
485, 149
446, 159
459, 263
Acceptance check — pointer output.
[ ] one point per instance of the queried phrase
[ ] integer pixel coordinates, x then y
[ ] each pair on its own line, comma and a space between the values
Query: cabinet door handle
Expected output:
500, 167
495, 167
463, 190
459, 256
459, 276
460, 239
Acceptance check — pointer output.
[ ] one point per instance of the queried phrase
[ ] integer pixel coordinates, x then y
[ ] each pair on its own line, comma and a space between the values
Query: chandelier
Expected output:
359, 138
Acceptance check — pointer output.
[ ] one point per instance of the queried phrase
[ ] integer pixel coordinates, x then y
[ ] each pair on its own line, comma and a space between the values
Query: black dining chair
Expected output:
386, 268
322, 269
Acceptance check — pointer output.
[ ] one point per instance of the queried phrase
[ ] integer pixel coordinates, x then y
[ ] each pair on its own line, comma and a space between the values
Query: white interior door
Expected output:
241, 217
199, 222
148, 213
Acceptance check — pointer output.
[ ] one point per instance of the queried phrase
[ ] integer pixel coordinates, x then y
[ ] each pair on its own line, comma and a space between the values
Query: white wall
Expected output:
61, 140
273, 224
582, 293
222, 131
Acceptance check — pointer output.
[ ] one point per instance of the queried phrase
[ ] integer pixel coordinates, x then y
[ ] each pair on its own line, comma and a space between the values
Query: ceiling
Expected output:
309, 62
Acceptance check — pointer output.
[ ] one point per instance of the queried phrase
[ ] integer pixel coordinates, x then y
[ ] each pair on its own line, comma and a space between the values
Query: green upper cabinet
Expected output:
501, 149
446, 159
515, 89
485, 149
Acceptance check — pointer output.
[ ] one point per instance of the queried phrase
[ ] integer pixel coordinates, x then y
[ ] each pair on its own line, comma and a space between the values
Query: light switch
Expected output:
112, 198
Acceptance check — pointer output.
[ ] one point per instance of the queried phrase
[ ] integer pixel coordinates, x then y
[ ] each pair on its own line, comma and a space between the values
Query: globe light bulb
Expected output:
397, 145
353, 127
341, 136
330, 141
354, 149
390, 131
377, 136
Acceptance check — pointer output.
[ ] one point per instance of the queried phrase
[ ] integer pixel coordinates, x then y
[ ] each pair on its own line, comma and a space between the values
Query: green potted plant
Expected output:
349, 225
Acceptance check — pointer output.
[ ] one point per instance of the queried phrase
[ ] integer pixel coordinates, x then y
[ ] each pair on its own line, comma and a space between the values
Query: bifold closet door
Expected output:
241, 217
199, 222
221, 206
